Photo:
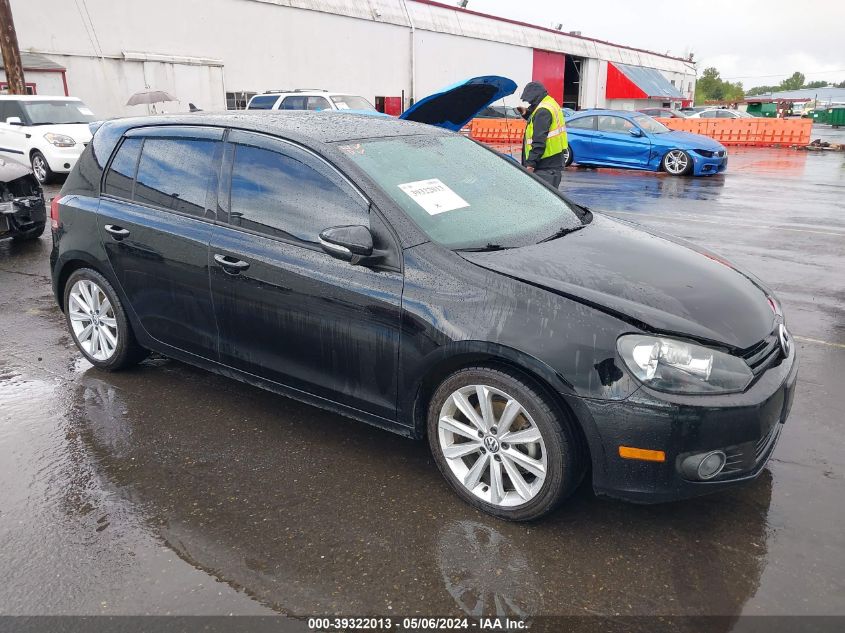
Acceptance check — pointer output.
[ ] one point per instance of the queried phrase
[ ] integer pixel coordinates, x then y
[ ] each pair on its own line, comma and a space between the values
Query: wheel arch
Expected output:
67, 267
463, 354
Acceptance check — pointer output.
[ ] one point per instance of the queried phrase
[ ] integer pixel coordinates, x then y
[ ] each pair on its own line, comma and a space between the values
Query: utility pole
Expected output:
11, 52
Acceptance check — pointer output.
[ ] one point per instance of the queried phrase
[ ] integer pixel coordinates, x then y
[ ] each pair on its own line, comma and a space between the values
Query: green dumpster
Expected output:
768, 109
819, 115
836, 116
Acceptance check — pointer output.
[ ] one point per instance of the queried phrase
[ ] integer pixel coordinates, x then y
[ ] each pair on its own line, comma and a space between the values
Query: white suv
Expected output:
307, 100
49, 132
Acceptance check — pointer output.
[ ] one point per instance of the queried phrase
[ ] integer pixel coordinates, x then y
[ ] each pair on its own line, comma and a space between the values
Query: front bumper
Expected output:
745, 426
62, 159
22, 215
703, 166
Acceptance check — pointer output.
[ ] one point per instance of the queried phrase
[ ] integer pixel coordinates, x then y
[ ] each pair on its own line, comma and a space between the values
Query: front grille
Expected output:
763, 355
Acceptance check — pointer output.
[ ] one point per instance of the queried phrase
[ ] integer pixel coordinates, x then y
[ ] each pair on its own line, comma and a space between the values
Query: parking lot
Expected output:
169, 490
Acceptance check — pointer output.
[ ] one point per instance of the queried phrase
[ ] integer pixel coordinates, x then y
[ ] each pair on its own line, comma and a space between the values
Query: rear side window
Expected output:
264, 102
293, 103
586, 123
122, 169
288, 193
176, 174
318, 103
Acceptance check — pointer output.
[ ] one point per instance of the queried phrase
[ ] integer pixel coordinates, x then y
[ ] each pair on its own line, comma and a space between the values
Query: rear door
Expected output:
156, 215
288, 311
614, 144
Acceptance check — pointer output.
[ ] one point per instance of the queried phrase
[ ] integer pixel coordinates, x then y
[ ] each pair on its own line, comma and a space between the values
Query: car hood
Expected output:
453, 106
656, 282
688, 140
79, 132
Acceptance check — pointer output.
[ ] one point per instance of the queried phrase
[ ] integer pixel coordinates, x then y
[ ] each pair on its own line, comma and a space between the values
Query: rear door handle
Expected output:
231, 265
117, 232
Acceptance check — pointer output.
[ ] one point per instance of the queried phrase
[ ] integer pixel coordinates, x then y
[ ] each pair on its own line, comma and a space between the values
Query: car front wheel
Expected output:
568, 157
502, 445
41, 168
677, 162
98, 323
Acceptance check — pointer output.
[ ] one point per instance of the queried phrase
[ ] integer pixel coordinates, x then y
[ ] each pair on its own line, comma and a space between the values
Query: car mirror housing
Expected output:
349, 243
14, 120
636, 132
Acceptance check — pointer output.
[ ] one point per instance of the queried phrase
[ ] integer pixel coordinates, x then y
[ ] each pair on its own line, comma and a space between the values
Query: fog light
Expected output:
704, 466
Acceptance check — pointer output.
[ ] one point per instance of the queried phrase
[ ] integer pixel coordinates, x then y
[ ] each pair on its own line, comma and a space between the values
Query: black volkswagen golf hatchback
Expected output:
411, 278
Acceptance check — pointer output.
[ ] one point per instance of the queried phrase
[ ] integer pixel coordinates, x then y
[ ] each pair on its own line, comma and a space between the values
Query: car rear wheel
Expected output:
567, 157
98, 323
41, 168
502, 445
677, 162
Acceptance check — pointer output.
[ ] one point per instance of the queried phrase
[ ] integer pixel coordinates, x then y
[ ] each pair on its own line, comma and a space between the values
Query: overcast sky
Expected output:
745, 39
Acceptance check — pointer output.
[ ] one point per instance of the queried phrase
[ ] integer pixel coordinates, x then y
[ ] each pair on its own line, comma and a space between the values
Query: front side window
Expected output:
318, 103
121, 172
615, 125
286, 192
584, 123
461, 194
709, 114
56, 112
176, 174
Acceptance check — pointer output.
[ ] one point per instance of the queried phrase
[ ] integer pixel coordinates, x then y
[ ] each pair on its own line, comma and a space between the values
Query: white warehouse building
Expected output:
217, 53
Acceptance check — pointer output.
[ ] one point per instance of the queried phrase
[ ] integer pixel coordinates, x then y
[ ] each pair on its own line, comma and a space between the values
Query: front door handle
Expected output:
116, 232
231, 265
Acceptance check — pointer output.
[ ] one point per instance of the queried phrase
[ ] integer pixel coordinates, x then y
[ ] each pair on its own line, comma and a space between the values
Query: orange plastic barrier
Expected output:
497, 130
758, 131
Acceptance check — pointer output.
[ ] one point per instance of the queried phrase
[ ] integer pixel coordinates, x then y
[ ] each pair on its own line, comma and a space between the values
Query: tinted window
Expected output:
585, 123
122, 170
175, 174
293, 103
264, 102
44, 112
615, 124
709, 114
725, 114
290, 194
318, 103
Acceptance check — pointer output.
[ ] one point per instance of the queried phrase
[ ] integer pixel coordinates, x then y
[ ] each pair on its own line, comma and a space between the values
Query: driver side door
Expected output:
615, 144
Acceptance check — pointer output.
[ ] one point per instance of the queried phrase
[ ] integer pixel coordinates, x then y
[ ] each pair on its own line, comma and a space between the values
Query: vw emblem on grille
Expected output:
785, 339
491, 444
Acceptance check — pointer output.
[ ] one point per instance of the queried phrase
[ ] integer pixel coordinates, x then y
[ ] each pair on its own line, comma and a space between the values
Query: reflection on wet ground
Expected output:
166, 489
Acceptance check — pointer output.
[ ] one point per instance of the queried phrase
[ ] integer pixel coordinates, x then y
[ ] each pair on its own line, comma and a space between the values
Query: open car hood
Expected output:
453, 106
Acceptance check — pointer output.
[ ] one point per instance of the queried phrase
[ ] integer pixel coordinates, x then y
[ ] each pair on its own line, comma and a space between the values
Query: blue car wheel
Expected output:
677, 162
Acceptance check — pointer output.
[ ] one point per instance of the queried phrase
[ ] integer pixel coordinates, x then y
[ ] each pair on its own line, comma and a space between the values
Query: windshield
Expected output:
461, 194
47, 112
351, 102
650, 125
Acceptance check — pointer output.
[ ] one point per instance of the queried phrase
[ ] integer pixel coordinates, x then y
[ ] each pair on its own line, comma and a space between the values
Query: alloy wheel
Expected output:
39, 167
676, 162
492, 445
93, 320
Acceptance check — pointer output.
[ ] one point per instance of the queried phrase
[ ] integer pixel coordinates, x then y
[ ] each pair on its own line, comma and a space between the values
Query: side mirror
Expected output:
349, 243
14, 120
636, 132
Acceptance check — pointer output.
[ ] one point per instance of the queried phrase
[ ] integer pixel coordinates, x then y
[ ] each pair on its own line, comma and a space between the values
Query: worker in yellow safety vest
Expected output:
544, 144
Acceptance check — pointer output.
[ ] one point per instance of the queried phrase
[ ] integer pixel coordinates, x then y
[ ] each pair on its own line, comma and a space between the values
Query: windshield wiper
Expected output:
566, 230
483, 249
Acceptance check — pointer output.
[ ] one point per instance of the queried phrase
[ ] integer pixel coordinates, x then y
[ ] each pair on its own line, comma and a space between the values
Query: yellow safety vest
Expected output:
556, 141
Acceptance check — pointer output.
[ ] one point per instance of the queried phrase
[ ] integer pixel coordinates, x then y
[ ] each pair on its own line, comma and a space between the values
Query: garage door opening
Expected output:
572, 82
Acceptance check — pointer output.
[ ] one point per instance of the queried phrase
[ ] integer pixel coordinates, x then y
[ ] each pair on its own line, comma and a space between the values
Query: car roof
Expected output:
325, 126
305, 93
600, 111
38, 98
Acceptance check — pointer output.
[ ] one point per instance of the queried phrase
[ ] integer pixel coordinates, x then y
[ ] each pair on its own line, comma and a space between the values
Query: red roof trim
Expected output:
620, 87
543, 28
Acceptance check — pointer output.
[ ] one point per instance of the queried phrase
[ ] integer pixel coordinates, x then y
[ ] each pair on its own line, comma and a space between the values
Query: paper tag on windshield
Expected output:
85, 111
433, 196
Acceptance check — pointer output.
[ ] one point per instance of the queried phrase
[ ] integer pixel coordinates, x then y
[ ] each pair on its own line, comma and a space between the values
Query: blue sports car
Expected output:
617, 138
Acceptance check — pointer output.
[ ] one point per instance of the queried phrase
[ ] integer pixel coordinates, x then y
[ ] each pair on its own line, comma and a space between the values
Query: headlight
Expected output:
705, 152
59, 140
671, 365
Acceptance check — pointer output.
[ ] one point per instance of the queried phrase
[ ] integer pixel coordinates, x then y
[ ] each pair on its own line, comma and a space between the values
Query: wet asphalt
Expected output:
169, 490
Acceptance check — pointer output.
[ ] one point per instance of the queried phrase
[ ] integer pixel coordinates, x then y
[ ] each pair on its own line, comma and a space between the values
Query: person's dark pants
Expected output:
551, 176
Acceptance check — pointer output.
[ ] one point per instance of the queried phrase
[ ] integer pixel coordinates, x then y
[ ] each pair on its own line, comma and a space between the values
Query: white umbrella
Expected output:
150, 96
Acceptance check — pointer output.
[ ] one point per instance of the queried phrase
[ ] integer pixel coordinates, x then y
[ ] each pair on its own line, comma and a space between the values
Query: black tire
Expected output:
41, 168
31, 234
565, 460
127, 352
665, 166
567, 161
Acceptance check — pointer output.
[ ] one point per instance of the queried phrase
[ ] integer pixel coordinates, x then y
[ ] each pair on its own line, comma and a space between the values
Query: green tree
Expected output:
816, 84
841, 84
794, 82
711, 87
